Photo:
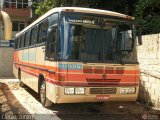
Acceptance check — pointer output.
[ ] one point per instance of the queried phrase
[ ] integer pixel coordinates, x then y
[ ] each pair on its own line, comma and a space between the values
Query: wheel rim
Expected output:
42, 93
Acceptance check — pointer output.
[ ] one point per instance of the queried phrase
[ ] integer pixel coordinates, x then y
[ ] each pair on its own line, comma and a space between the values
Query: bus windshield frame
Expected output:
75, 29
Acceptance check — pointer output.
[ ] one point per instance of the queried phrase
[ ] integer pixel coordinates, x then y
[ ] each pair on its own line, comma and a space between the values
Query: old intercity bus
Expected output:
73, 54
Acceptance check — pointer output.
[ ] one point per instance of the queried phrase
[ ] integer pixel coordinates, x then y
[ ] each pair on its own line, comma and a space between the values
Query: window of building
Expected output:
21, 26
17, 25
12, 3
6, 3
16, 3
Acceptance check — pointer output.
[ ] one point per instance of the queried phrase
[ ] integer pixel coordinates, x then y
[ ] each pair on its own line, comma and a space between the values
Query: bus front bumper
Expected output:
98, 95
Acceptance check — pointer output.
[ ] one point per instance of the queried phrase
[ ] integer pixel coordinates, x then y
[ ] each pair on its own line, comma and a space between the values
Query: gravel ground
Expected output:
23, 103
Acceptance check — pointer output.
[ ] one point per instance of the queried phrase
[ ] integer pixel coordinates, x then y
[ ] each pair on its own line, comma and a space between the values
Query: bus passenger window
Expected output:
43, 27
51, 42
16, 41
33, 36
27, 39
22, 40
53, 19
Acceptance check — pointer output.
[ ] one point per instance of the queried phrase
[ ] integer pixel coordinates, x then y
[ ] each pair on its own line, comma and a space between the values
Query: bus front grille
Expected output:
103, 90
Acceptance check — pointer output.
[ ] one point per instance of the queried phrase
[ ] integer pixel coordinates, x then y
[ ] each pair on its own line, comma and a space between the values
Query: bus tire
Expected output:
44, 100
21, 84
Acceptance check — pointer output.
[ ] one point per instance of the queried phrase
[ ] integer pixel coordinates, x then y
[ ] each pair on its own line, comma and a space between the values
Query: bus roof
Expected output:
77, 9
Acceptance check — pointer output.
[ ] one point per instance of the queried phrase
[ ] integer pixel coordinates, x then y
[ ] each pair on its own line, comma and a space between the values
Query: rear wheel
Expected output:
20, 81
44, 100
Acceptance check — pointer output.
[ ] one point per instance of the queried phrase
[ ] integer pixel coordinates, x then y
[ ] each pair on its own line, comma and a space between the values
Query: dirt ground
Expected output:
18, 103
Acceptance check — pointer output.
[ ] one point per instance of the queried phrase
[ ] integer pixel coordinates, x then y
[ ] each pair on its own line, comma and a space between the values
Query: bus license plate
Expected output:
102, 97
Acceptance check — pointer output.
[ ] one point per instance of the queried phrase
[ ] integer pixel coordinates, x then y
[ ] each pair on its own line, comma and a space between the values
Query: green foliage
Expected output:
114, 5
43, 7
147, 14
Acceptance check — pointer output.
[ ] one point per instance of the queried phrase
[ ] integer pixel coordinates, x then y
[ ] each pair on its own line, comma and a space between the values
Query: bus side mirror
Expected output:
52, 32
139, 35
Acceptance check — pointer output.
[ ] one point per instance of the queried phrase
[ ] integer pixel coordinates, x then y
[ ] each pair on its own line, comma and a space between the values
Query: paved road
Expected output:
19, 101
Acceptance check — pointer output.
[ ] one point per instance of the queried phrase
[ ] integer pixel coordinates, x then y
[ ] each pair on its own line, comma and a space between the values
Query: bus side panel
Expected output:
51, 91
32, 78
15, 60
51, 88
15, 71
40, 56
39, 63
24, 62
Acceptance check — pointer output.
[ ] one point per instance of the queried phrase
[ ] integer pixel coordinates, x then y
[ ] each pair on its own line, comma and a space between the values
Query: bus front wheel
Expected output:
44, 100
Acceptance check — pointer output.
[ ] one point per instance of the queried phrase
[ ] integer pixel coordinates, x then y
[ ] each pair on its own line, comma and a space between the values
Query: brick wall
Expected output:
24, 13
149, 59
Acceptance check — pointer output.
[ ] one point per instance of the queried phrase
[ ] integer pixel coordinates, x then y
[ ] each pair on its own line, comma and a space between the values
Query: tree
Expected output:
123, 6
148, 15
43, 7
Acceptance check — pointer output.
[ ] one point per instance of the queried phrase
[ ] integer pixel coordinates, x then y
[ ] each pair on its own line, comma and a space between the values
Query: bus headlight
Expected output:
69, 91
129, 90
123, 90
79, 90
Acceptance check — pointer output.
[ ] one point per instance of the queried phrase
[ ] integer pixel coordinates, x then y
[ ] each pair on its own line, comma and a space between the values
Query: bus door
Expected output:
50, 61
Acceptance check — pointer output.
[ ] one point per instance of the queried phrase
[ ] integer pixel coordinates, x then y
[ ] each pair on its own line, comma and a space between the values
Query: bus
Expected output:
73, 54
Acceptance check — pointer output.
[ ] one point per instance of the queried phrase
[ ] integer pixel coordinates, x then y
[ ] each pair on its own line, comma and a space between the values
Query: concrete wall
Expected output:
149, 59
6, 62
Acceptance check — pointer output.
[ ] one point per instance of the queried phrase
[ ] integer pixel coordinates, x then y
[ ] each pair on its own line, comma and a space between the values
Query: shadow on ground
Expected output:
9, 105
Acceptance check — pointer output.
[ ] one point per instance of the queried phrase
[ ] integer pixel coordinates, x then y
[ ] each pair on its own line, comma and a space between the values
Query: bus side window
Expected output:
53, 19
16, 40
22, 40
43, 27
19, 44
27, 39
33, 36
51, 43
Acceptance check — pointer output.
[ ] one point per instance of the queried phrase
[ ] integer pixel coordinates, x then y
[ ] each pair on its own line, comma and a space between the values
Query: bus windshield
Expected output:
90, 38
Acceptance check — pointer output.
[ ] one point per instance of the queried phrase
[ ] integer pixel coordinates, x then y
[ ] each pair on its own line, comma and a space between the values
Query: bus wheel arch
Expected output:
40, 80
42, 92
